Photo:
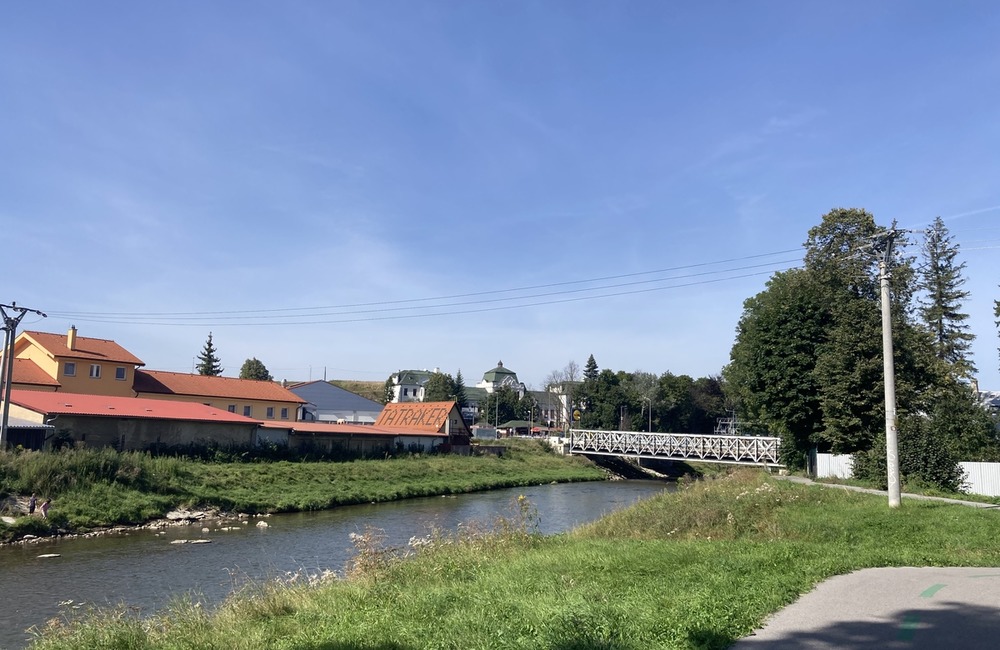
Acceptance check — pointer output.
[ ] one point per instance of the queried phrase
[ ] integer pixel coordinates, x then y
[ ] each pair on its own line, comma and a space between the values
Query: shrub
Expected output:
924, 457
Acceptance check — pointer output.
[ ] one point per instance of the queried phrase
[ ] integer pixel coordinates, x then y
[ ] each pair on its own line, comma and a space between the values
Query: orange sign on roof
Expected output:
431, 417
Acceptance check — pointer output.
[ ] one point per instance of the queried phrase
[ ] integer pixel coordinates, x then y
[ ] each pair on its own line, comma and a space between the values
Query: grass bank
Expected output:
92, 488
699, 568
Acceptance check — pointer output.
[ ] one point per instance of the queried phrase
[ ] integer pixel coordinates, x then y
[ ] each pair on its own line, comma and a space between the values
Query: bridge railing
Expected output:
745, 450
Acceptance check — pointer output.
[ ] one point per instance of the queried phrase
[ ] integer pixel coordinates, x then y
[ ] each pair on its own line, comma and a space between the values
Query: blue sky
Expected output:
359, 187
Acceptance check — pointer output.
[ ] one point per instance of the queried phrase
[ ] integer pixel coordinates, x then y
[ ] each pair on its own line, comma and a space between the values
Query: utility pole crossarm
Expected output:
11, 315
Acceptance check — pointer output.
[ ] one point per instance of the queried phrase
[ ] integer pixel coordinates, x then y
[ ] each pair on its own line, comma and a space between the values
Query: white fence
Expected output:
834, 466
980, 478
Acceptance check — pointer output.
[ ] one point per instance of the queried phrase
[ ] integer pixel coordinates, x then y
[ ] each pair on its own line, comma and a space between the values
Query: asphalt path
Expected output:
898, 607
928, 607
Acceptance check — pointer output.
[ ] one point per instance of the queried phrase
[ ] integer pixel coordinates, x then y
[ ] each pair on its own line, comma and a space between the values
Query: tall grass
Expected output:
99, 487
696, 569
54, 473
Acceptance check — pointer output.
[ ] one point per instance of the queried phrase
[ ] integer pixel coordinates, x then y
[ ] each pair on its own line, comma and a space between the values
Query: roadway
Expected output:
897, 607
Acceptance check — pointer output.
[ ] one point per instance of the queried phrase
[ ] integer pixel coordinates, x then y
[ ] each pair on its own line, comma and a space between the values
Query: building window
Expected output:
406, 392
284, 414
120, 373
69, 369
246, 411
95, 371
270, 412
232, 408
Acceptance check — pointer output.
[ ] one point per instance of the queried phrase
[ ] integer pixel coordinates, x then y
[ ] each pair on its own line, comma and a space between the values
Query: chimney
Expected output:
71, 337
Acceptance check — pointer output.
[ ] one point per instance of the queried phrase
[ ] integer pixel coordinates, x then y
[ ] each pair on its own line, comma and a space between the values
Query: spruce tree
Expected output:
208, 361
941, 305
590, 370
460, 396
388, 391
996, 312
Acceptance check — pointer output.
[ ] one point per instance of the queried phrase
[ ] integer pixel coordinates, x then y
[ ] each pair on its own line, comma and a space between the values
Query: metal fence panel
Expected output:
834, 466
982, 478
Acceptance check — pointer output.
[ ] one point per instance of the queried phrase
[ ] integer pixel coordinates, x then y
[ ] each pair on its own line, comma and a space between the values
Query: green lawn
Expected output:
93, 488
698, 568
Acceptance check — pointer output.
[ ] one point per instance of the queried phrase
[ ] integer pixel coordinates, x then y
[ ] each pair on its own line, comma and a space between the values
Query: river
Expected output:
144, 570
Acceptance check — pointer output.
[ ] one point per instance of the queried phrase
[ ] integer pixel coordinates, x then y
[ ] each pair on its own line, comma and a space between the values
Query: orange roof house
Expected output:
264, 400
413, 426
28, 375
131, 422
74, 364
112, 406
436, 418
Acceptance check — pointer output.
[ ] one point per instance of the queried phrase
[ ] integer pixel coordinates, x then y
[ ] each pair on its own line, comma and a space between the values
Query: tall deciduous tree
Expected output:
527, 408
440, 387
501, 406
941, 305
606, 403
254, 368
208, 361
842, 255
807, 362
771, 374
643, 388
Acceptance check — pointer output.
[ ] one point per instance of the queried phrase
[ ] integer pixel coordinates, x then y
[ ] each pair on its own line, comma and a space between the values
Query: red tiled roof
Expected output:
178, 383
123, 407
84, 348
27, 371
425, 417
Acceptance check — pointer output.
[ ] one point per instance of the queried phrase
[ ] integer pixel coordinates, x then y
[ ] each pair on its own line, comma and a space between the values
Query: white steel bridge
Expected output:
707, 448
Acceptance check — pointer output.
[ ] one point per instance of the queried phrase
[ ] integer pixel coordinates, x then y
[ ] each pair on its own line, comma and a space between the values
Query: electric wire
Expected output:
447, 297
468, 302
457, 312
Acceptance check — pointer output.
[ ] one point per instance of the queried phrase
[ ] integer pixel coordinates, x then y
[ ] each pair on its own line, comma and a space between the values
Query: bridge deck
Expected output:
740, 450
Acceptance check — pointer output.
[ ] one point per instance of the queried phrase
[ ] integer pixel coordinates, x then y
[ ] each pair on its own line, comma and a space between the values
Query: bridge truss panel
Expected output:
741, 450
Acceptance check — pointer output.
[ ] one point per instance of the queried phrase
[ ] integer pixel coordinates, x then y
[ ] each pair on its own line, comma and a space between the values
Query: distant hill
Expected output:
373, 390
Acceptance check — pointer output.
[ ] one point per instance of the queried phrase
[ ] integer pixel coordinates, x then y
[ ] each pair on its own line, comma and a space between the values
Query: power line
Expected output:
469, 302
449, 313
447, 297
203, 319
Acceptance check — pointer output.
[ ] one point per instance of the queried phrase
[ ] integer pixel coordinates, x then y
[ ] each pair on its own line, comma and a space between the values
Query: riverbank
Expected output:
699, 568
95, 490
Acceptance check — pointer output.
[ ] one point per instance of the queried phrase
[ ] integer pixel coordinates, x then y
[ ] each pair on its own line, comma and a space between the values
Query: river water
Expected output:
144, 570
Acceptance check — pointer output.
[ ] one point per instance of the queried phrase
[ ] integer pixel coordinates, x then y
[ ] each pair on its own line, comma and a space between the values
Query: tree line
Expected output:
807, 361
806, 364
